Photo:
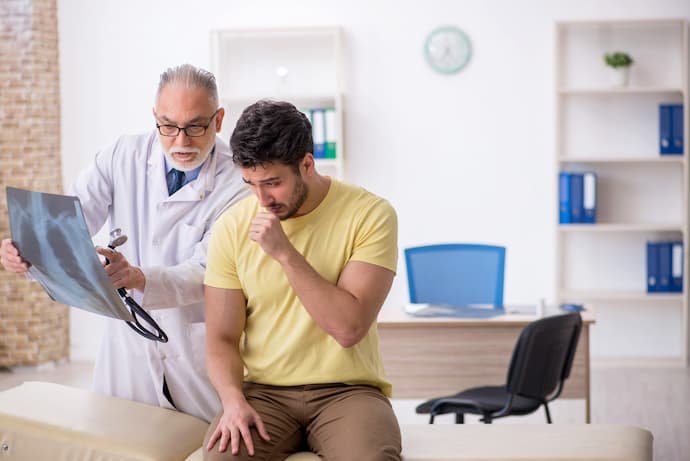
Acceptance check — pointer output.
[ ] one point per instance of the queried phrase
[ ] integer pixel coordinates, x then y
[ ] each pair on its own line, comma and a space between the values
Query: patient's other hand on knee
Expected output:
234, 425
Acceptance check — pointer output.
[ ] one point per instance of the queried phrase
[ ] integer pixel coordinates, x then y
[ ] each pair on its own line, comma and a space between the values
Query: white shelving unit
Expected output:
641, 195
299, 65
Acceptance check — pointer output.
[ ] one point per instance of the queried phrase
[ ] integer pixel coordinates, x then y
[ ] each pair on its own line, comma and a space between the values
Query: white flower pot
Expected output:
620, 76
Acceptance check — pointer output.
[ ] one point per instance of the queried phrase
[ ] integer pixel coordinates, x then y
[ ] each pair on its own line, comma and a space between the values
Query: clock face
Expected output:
447, 50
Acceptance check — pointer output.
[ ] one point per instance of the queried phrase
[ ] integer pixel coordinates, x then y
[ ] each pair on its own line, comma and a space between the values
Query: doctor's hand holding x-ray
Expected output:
10, 258
164, 189
121, 272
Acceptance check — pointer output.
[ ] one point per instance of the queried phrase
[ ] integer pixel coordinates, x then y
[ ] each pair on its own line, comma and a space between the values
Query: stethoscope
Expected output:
117, 238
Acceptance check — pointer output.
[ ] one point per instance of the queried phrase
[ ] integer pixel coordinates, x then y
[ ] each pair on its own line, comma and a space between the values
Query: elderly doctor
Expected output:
164, 189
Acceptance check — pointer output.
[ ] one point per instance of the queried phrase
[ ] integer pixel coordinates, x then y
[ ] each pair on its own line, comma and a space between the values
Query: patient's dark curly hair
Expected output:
271, 132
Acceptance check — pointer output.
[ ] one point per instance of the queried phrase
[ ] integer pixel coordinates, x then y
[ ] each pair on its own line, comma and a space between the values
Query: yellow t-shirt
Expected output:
282, 345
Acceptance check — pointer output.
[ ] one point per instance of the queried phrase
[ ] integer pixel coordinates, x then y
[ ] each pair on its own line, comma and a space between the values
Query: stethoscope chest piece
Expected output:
117, 238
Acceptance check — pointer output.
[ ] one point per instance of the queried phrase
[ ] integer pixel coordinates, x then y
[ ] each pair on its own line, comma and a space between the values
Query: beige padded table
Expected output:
523, 442
45, 421
516, 442
535, 442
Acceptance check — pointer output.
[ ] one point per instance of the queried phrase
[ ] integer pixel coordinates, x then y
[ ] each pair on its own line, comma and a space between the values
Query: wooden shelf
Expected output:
613, 91
641, 196
327, 162
629, 227
659, 159
300, 98
619, 296
301, 65
622, 23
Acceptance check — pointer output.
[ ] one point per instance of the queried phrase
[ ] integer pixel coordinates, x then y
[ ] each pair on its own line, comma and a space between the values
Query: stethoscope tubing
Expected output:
137, 311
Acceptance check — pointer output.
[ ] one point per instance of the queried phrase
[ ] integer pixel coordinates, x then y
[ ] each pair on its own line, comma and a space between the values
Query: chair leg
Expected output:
459, 418
548, 413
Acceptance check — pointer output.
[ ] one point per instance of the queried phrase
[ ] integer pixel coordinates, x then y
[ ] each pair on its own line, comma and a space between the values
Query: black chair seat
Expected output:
490, 398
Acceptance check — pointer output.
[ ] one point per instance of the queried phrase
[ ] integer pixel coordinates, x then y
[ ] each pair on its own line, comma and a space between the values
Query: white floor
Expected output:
657, 399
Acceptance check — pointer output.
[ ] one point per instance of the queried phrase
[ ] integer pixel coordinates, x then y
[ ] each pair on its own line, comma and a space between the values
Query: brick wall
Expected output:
33, 329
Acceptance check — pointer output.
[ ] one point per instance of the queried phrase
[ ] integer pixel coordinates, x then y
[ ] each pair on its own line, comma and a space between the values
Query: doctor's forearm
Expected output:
174, 286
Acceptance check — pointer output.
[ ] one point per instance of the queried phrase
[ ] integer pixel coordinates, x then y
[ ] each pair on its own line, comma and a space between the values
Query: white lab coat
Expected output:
167, 238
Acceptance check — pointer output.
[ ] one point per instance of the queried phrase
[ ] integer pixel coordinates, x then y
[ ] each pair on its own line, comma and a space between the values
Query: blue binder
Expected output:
665, 129
589, 197
564, 216
652, 267
664, 281
576, 195
677, 129
677, 267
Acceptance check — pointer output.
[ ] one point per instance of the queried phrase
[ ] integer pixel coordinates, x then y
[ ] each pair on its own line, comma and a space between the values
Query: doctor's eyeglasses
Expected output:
191, 131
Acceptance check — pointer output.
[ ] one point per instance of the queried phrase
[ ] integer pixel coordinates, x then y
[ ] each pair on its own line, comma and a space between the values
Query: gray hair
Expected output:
190, 77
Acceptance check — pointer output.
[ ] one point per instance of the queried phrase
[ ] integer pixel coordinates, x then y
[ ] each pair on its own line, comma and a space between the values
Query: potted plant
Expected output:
620, 63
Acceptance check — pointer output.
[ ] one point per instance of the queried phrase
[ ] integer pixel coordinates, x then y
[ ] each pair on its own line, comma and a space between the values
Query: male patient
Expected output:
295, 278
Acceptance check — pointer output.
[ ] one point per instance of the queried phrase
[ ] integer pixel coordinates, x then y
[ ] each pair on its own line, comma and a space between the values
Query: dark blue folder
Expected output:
564, 215
665, 129
576, 195
677, 129
664, 267
652, 267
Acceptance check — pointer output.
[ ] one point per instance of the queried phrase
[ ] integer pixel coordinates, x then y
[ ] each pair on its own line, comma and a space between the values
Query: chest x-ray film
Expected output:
50, 232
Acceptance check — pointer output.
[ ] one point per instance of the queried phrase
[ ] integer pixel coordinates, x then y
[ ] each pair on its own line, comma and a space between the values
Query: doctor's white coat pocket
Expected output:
197, 341
188, 236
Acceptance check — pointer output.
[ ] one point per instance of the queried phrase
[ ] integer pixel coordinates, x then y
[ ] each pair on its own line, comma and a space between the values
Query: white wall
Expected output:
462, 158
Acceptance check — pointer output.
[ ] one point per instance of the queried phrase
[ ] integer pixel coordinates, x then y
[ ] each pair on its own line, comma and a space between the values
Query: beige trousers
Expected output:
338, 422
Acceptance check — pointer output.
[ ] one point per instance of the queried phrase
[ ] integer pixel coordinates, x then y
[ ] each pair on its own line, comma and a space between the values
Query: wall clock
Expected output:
447, 49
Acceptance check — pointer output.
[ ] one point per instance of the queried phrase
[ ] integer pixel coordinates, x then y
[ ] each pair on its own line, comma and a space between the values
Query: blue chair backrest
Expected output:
456, 274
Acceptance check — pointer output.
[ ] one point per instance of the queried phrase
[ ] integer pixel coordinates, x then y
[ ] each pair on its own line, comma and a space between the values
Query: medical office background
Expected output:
463, 158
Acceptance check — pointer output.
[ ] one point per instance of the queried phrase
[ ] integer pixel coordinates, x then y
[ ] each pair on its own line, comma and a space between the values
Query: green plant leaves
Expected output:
618, 59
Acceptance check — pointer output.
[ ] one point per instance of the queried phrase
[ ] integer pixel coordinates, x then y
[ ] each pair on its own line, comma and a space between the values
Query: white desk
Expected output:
426, 357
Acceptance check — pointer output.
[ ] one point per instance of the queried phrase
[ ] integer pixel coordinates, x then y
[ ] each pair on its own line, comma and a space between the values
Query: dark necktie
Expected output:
176, 181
